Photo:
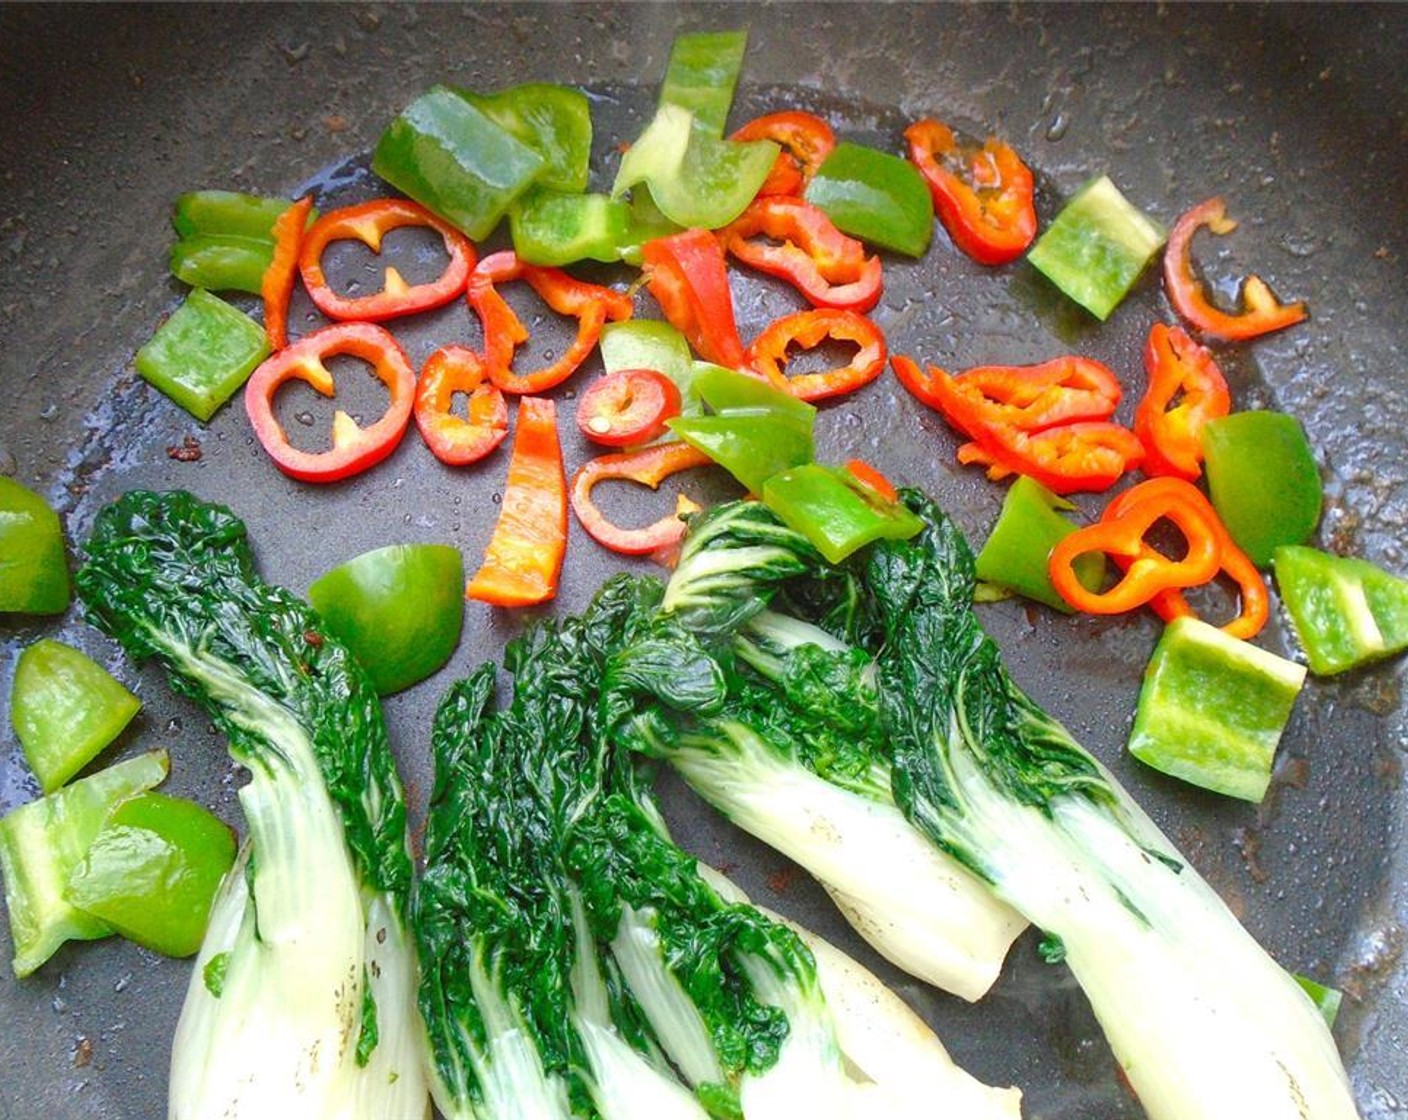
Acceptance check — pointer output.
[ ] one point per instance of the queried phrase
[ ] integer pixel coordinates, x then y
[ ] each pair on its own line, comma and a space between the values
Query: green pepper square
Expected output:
203, 353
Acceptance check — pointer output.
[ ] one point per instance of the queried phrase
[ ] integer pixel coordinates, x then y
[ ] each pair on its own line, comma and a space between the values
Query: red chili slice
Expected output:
454, 439
592, 305
276, 286
795, 241
1186, 390
650, 467
354, 448
771, 351
806, 140
627, 407
689, 280
1264, 312
369, 223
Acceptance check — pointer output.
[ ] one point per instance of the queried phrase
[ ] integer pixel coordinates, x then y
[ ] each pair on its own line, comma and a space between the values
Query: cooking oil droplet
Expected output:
304, 418
1058, 126
122, 982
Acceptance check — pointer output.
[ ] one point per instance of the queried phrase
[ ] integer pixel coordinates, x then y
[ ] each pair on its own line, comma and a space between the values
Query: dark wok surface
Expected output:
1298, 115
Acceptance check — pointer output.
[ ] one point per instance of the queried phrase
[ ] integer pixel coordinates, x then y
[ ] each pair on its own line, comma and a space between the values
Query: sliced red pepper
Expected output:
650, 466
276, 287
688, 278
873, 478
1092, 455
806, 140
354, 448
1255, 605
983, 193
1186, 390
524, 556
454, 439
1123, 535
1264, 312
369, 223
592, 305
795, 241
627, 407
1024, 398
772, 350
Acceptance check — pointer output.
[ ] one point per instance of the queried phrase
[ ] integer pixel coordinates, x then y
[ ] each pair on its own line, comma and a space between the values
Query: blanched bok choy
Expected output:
302, 1003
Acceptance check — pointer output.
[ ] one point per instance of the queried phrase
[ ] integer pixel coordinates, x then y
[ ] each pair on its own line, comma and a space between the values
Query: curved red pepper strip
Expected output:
873, 478
1186, 390
806, 140
524, 557
1264, 312
592, 305
453, 439
983, 194
1255, 605
772, 350
689, 280
1122, 534
1092, 455
354, 448
801, 245
369, 223
276, 286
650, 467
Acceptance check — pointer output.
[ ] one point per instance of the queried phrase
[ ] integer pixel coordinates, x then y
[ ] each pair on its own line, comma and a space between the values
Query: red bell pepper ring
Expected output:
1263, 311
805, 330
1186, 390
627, 407
649, 466
592, 305
805, 139
1088, 456
453, 439
354, 448
1023, 398
795, 241
369, 223
689, 280
983, 194
1123, 535
1255, 604
276, 285
524, 557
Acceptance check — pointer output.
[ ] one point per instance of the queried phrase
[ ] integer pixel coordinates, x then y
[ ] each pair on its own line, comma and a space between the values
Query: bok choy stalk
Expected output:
780, 732
302, 1002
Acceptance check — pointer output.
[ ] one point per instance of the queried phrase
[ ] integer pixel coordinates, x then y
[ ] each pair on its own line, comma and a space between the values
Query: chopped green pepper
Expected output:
399, 609
152, 871
651, 344
729, 392
203, 353
1346, 611
65, 708
553, 228
836, 511
227, 214
454, 160
875, 196
1097, 247
702, 75
1212, 709
555, 121
1017, 551
226, 239
1262, 480
33, 569
42, 842
1326, 1000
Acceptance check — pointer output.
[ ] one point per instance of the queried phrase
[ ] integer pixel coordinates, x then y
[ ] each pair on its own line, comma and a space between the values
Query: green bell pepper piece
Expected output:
751, 446
702, 75
1212, 709
152, 872
1096, 248
554, 229
555, 121
42, 842
203, 353
875, 196
227, 214
33, 568
1018, 549
1346, 612
1262, 480
696, 179
728, 392
65, 708
1327, 1000
226, 239
453, 159
652, 344
399, 609
835, 510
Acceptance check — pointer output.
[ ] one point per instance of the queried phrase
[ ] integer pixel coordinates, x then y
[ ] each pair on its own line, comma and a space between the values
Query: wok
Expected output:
1297, 115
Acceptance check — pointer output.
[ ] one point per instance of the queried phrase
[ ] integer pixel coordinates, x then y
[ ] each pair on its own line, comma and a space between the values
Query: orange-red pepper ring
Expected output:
650, 467
805, 139
771, 351
1147, 571
454, 439
369, 223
